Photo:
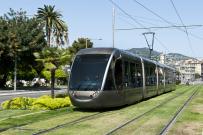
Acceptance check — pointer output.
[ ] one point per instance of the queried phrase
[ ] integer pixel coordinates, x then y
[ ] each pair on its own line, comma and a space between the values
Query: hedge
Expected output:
41, 103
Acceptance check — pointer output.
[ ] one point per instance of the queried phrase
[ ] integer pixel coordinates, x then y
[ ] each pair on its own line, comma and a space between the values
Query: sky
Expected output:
93, 19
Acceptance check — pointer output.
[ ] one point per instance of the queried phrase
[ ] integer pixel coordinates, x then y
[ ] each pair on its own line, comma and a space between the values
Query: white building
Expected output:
189, 69
162, 58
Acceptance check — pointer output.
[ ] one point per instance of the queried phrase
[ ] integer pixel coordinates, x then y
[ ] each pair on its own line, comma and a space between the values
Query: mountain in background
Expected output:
177, 56
144, 52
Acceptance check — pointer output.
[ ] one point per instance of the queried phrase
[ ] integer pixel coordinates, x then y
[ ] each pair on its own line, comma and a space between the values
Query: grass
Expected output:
5, 114
191, 121
151, 124
21, 119
103, 124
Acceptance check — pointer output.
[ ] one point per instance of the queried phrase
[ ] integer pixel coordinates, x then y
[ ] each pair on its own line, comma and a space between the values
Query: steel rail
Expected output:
143, 114
68, 123
172, 121
82, 119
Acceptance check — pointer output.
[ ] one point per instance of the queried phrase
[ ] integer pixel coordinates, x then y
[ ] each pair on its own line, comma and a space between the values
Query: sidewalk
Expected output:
8, 93
21, 92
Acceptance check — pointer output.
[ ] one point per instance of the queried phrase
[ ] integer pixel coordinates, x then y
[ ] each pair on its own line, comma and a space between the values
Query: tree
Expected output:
20, 36
54, 26
78, 44
52, 59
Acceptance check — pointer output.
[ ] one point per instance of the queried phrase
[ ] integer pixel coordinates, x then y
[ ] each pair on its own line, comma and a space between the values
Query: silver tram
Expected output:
109, 77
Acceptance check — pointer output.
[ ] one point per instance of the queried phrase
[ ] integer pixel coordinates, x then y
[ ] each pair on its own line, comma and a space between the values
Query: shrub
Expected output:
41, 103
18, 103
49, 103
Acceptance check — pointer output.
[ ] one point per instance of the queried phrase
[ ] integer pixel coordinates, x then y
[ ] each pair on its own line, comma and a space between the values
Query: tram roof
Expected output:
110, 51
96, 51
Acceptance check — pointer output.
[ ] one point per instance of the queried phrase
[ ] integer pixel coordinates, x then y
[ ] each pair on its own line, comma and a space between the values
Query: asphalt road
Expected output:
5, 95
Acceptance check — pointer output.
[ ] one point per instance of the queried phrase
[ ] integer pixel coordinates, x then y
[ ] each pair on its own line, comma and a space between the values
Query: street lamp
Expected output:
15, 71
90, 39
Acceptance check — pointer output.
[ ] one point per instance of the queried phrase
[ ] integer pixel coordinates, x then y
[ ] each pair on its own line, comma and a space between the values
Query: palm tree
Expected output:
54, 26
52, 59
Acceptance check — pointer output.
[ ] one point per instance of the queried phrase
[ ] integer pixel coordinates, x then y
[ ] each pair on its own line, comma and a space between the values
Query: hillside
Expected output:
144, 52
177, 56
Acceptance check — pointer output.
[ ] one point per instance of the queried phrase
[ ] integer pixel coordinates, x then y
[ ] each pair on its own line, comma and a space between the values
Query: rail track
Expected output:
66, 124
100, 114
180, 110
152, 109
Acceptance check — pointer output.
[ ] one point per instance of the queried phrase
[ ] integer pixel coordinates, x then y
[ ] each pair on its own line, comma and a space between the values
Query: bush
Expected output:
50, 103
41, 103
18, 103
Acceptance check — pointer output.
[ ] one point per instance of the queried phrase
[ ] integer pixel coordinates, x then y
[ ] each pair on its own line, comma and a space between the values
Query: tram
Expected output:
109, 77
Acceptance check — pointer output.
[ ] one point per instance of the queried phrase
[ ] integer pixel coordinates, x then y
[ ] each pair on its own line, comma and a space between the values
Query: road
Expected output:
5, 95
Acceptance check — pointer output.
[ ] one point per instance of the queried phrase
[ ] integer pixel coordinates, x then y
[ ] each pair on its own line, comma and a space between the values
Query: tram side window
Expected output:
138, 75
161, 76
126, 74
150, 74
132, 75
109, 85
169, 76
118, 74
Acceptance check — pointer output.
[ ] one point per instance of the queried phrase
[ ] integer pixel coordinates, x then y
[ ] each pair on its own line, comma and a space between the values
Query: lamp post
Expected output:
90, 39
15, 71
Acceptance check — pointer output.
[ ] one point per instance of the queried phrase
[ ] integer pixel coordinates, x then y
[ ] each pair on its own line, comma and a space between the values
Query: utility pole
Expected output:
15, 60
149, 45
113, 27
15, 71
86, 42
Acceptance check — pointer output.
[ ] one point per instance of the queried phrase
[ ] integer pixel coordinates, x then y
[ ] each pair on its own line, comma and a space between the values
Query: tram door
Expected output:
118, 73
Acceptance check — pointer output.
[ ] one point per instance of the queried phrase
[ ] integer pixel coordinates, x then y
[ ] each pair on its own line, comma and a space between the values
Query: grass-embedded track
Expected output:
191, 119
59, 122
172, 121
155, 121
143, 114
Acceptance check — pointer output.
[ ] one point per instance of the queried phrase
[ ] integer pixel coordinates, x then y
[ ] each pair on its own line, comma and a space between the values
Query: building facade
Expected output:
189, 70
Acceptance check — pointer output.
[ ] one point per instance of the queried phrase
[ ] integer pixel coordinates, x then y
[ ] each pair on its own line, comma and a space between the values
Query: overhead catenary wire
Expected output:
162, 44
143, 27
127, 14
124, 18
132, 18
153, 12
178, 15
163, 19
186, 31
161, 27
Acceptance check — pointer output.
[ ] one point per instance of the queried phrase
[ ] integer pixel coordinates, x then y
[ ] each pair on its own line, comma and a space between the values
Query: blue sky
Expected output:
93, 19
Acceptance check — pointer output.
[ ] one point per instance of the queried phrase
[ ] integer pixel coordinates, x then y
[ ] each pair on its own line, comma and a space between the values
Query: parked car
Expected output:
38, 82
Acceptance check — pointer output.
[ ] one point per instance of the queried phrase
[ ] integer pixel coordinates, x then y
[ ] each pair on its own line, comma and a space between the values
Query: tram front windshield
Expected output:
87, 72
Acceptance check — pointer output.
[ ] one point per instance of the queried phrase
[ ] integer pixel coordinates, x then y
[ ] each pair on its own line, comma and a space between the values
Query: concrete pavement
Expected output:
22, 92
8, 94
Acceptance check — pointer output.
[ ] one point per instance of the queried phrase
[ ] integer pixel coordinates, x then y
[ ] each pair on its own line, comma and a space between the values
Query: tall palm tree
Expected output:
54, 26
